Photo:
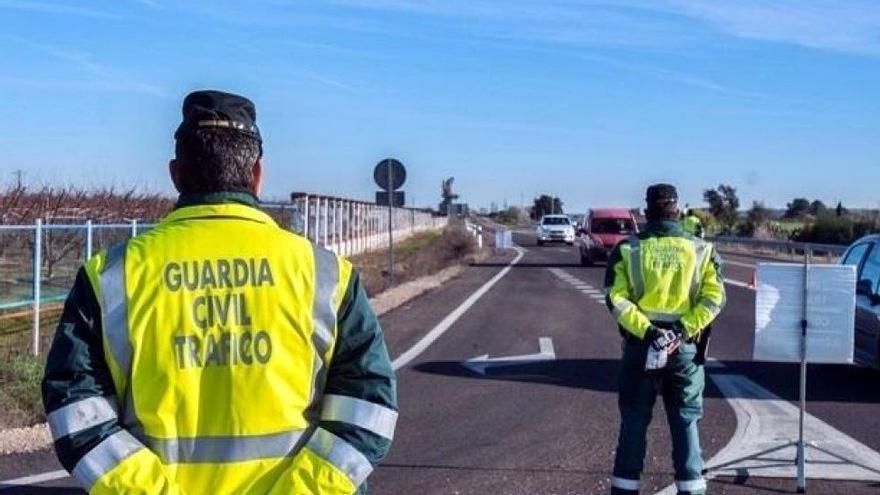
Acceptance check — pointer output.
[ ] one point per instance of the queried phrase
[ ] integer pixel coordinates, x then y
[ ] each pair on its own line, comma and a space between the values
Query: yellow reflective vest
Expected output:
220, 336
664, 276
693, 225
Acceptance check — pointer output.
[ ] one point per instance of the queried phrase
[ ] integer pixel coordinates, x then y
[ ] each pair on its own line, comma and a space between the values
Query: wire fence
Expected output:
39, 261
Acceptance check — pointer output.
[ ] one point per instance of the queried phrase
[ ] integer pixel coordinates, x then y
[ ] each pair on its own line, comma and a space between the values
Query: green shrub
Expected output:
20, 377
830, 229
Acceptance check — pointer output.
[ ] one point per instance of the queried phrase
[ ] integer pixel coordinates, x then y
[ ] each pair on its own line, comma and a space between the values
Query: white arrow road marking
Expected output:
765, 422
480, 363
441, 328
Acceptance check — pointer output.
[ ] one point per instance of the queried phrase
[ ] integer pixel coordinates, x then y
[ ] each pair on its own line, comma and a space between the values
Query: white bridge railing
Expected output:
38, 261
349, 226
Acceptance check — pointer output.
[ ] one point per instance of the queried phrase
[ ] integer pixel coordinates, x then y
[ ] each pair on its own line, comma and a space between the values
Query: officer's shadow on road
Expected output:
828, 383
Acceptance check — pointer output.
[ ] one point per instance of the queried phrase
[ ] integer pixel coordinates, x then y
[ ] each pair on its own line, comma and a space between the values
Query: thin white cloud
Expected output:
671, 75
55, 9
151, 3
559, 22
851, 26
328, 81
103, 75
88, 85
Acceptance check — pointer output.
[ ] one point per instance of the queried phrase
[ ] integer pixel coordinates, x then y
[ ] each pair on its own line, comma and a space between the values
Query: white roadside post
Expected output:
305, 214
337, 221
326, 219
89, 239
134, 228
317, 238
38, 262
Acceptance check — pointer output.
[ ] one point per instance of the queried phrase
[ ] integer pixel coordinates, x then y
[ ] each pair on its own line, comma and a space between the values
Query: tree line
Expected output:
802, 220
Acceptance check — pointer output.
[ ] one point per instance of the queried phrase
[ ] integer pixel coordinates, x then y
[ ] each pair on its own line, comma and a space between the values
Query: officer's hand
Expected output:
663, 339
678, 328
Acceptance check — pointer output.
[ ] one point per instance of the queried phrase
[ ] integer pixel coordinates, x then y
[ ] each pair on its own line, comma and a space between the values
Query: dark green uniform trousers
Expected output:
681, 384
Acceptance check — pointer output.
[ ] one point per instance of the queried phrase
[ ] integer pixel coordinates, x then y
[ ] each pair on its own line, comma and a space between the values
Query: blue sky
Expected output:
590, 100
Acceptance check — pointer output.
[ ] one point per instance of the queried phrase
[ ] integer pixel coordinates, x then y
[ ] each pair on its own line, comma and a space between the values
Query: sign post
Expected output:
390, 175
801, 448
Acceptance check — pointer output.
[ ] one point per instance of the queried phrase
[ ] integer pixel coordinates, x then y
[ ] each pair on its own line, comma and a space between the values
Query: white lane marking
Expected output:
441, 328
737, 283
765, 422
33, 480
591, 291
398, 363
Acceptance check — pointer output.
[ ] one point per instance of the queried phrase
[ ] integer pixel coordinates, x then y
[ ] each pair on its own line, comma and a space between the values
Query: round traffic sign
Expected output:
389, 174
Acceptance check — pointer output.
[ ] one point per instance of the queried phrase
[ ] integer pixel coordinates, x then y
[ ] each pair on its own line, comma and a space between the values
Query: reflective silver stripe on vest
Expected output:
341, 454
81, 415
625, 484
691, 486
364, 414
635, 268
620, 308
104, 457
227, 448
702, 250
711, 306
324, 305
323, 322
115, 317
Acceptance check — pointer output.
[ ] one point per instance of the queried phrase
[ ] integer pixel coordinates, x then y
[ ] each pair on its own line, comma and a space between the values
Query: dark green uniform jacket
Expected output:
76, 367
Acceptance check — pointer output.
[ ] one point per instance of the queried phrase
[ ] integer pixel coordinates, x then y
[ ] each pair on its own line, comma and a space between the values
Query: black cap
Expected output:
218, 110
661, 193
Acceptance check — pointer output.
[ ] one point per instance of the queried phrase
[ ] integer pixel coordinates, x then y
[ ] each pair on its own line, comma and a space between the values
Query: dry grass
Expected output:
421, 255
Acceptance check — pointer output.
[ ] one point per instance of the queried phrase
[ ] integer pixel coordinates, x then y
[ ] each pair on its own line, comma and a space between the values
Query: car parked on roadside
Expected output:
603, 229
864, 254
555, 228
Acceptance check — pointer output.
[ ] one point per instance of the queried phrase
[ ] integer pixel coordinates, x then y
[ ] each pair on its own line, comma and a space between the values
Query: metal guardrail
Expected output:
476, 231
788, 248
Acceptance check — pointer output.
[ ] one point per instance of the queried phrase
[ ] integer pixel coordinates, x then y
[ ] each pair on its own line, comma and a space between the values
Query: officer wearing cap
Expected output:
692, 224
664, 288
218, 353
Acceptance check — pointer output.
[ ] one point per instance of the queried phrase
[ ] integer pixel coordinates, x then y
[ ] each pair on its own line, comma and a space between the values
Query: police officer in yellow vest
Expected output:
664, 288
218, 353
692, 224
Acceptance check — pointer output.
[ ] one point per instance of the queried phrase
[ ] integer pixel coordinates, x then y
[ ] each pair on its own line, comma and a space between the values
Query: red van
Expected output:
603, 229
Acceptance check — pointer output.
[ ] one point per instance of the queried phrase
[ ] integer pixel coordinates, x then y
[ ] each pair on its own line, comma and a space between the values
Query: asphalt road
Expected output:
550, 427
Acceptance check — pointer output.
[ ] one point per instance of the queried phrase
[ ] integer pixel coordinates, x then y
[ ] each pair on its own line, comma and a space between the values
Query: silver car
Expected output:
555, 228
864, 254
